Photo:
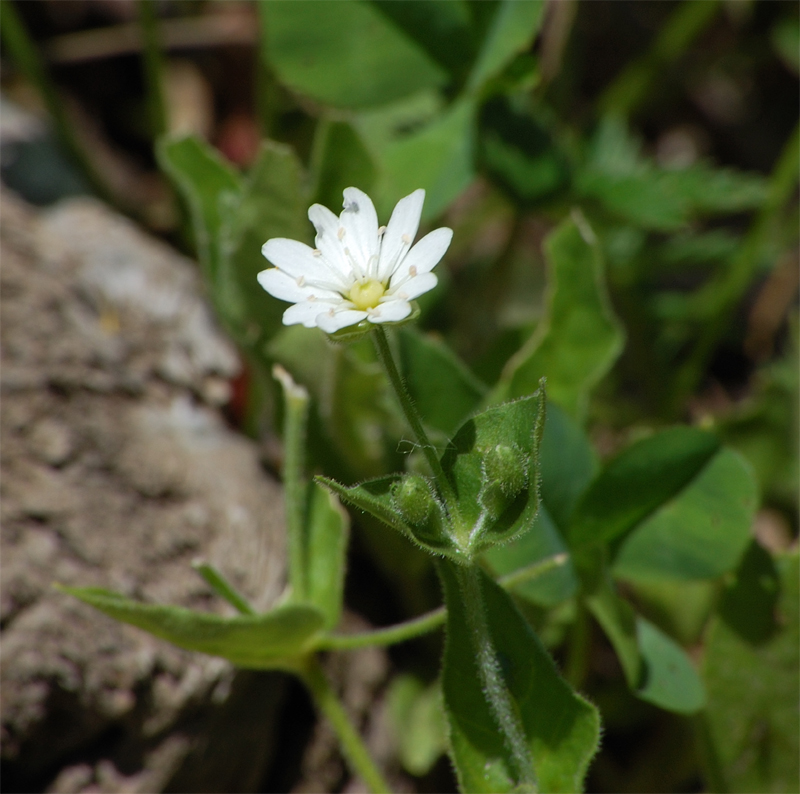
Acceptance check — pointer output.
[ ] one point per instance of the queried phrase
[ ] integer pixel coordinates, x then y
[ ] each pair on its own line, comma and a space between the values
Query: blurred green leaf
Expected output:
327, 531
699, 533
786, 41
346, 54
520, 153
670, 679
201, 176
638, 481
268, 641
341, 160
437, 157
561, 748
354, 422
579, 338
441, 27
222, 587
512, 30
543, 541
514, 426
440, 384
753, 691
419, 727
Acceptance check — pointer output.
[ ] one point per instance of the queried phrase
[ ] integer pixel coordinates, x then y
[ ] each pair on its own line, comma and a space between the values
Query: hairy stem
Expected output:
414, 419
494, 685
355, 752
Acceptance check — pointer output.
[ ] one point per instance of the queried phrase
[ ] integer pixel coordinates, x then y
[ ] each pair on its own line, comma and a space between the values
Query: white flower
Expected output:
357, 271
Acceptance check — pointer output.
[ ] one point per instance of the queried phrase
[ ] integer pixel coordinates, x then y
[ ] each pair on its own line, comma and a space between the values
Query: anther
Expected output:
406, 239
300, 280
340, 233
381, 231
317, 252
412, 271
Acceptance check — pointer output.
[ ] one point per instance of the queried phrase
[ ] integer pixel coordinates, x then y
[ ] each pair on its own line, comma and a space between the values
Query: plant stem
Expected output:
577, 666
353, 747
494, 685
153, 68
294, 444
416, 627
414, 419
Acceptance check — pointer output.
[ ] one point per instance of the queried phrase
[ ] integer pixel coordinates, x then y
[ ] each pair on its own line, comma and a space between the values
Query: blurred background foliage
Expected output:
659, 138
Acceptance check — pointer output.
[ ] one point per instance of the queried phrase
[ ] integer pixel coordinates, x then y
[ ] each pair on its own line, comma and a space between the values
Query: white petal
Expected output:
416, 286
327, 239
427, 253
404, 221
360, 222
305, 313
390, 312
297, 259
330, 323
283, 286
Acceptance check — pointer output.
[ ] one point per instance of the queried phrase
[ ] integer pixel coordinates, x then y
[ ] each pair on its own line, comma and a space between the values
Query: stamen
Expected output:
340, 234
406, 239
412, 271
317, 252
381, 231
300, 280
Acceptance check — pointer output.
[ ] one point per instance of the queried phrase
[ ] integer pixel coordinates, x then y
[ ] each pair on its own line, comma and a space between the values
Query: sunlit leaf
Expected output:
561, 746
268, 641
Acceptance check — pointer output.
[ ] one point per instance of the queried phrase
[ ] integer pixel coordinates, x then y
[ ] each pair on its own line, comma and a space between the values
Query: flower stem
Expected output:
494, 685
416, 627
353, 747
294, 444
413, 418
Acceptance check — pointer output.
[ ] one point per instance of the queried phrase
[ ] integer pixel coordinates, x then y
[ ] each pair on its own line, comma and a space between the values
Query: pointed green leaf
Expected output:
493, 464
638, 481
222, 587
752, 680
699, 533
346, 54
512, 30
440, 384
268, 641
327, 531
561, 728
579, 338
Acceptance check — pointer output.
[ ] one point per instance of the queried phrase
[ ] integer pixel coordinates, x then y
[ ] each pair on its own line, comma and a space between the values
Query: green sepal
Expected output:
492, 511
379, 498
274, 640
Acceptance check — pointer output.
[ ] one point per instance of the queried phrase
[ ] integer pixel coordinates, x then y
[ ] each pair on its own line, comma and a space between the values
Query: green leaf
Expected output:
438, 157
416, 714
512, 30
222, 587
345, 54
441, 27
440, 384
701, 532
270, 641
638, 481
752, 681
341, 160
543, 541
201, 176
579, 338
493, 464
670, 679
354, 425
273, 203
561, 746
520, 153
327, 531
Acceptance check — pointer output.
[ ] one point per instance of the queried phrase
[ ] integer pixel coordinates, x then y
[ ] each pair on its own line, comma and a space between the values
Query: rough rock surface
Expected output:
117, 471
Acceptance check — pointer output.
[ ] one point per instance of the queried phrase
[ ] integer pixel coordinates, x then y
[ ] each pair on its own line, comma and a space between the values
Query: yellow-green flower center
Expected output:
366, 294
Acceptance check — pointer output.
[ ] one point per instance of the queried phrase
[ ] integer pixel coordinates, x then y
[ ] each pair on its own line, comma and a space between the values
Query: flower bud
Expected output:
413, 499
506, 468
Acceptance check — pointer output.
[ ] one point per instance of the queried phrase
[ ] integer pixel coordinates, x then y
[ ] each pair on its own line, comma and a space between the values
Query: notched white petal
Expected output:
428, 252
404, 221
417, 286
332, 320
390, 312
